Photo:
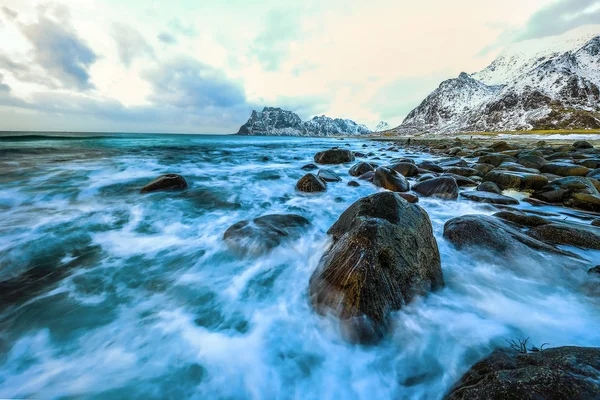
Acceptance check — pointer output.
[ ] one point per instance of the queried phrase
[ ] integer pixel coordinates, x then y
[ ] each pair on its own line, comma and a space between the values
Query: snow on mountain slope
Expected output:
272, 121
549, 83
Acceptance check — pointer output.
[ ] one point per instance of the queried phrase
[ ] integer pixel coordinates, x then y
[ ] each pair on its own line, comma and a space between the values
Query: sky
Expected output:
201, 66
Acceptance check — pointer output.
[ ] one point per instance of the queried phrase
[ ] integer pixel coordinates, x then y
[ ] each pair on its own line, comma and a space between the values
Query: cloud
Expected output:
24, 72
166, 38
187, 83
272, 45
130, 43
177, 26
10, 14
560, 17
59, 50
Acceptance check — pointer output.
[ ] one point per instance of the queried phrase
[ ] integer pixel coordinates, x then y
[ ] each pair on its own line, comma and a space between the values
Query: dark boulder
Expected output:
552, 374
310, 167
353, 184
564, 169
494, 159
572, 191
405, 169
490, 187
360, 168
383, 255
390, 180
367, 176
310, 183
488, 197
581, 144
334, 156
516, 180
262, 234
461, 180
522, 219
166, 182
556, 233
327, 175
431, 166
531, 161
594, 174
596, 222
462, 171
444, 187
482, 169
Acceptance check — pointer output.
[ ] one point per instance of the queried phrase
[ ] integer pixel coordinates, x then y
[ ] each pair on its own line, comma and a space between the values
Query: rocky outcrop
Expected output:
383, 255
557, 373
167, 182
273, 121
334, 156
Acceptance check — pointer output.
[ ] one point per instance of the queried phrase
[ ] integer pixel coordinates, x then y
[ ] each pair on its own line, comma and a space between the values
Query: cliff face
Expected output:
273, 121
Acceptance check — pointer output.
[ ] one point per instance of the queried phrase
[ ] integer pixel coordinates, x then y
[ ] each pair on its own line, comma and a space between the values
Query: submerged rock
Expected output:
310, 167
328, 175
383, 255
334, 156
559, 373
488, 197
390, 180
260, 235
444, 187
166, 182
310, 183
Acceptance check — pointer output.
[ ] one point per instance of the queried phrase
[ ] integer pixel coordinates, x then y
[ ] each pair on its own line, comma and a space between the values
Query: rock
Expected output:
595, 270
557, 373
359, 154
310, 183
531, 161
483, 169
594, 174
310, 167
353, 183
328, 175
360, 168
488, 197
425, 177
390, 180
490, 187
494, 159
582, 145
491, 237
591, 163
515, 167
453, 162
564, 169
555, 233
411, 198
572, 191
431, 166
462, 171
367, 176
516, 180
461, 180
444, 187
334, 156
596, 222
405, 169
166, 182
263, 234
521, 218
501, 146
383, 255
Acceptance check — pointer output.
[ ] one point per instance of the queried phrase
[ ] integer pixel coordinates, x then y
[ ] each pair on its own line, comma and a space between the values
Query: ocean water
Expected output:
106, 293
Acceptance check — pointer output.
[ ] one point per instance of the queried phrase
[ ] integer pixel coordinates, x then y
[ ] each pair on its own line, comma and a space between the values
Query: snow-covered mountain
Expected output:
550, 83
273, 121
382, 126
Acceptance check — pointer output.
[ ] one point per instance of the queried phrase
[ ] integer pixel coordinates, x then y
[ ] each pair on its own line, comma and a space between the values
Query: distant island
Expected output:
273, 121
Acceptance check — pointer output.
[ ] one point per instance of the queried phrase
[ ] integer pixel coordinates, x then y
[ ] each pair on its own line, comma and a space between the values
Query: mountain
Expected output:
273, 121
382, 126
550, 83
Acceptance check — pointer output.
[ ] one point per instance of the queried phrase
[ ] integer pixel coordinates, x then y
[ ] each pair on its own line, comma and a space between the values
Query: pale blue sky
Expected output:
202, 66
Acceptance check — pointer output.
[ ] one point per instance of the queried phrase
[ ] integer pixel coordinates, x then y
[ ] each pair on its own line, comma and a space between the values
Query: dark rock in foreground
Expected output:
334, 156
383, 255
311, 183
444, 187
488, 197
559, 373
165, 182
262, 234
391, 180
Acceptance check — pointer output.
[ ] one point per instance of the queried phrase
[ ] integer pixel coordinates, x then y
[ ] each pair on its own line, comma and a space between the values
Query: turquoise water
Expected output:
106, 293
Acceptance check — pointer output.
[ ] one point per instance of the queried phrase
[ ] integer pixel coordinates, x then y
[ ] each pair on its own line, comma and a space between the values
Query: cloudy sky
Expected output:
201, 66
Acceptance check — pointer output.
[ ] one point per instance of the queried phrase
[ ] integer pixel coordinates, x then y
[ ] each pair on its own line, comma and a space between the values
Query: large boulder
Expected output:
490, 187
405, 168
492, 237
516, 180
328, 175
581, 144
262, 234
334, 156
383, 255
489, 197
444, 187
391, 180
572, 191
462, 171
564, 169
311, 183
532, 161
522, 219
552, 374
360, 168
495, 159
166, 182
430, 166
557, 233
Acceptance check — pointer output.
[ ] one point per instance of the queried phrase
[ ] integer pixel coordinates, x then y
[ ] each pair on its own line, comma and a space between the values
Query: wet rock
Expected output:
390, 180
532, 161
595, 270
500, 146
483, 169
491, 237
425, 177
334, 156
359, 154
594, 174
367, 176
360, 168
462, 171
353, 184
453, 162
582, 145
516, 180
557, 373
383, 255
263, 234
522, 219
431, 166
573, 191
310, 183
555, 233
565, 169
490, 187
405, 169
488, 197
461, 180
411, 198
167, 182
328, 175
310, 167
515, 167
444, 187
596, 222
591, 163
495, 159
